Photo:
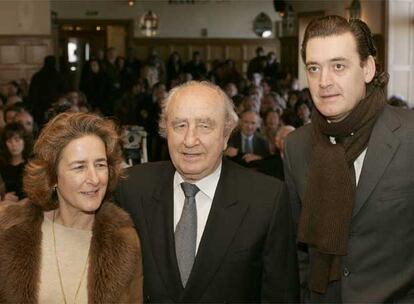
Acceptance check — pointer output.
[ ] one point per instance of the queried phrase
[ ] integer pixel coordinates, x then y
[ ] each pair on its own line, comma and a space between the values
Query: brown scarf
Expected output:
330, 188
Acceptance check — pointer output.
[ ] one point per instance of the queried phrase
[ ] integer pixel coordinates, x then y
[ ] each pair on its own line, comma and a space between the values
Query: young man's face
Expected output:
336, 76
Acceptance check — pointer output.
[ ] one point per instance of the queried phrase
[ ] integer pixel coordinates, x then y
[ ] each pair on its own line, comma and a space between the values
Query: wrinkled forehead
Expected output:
250, 117
197, 98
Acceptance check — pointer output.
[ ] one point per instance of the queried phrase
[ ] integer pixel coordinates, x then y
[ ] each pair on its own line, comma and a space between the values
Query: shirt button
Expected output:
346, 272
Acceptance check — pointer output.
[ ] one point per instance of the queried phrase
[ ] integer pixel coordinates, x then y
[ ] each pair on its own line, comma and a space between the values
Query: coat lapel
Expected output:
382, 146
159, 220
223, 221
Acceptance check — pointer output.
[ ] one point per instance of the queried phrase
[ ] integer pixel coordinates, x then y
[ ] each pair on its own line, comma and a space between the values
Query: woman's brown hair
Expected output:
41, 172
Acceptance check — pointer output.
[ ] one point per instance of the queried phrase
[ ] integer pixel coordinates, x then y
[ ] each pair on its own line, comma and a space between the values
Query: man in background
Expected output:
247, 146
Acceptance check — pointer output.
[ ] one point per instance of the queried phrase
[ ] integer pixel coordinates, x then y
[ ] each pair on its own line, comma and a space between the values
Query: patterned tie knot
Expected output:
190, 190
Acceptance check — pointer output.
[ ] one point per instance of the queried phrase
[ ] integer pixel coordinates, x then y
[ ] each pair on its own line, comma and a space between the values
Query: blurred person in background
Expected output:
16, 149
303, 111
273, 164
257, 64
175, 67
95, 85
45, 87
196, 67
11, 112
246, 145
272, 123
2, 122
26, 120
398, 101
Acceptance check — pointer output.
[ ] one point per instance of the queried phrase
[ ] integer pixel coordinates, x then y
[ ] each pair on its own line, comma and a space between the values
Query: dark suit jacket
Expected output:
260, 147
379, 266
247, 251
272, 165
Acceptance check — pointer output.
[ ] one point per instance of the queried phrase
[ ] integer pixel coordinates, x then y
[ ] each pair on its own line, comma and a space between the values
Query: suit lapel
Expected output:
159, 220
240, 142
223, 221
382, 146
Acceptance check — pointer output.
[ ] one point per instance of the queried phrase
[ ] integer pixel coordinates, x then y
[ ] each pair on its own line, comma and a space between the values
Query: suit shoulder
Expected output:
405, 116
250, 179
300, 136
398, 121
234, 138
148, 170
260, 137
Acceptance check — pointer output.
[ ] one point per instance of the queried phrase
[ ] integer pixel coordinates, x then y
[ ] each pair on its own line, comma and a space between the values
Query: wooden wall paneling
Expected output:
208, 56
200, 48
164, 51
226, 51
10, 74
35, 54
235, 52
250, 51
10, 54
22, 56
182, 50
217, 53
240, 50
289, 54
142, 51
245, 58
30, 72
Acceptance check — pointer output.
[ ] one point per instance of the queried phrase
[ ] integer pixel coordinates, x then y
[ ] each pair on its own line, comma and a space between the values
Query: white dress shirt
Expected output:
358, 163
204, 199
250, 139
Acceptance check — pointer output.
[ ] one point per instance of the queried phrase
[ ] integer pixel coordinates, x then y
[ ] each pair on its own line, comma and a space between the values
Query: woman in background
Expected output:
16, 148
68, 243
272, 123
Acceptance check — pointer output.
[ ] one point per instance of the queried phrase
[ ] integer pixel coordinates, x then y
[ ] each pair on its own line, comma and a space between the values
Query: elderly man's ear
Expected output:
369, 69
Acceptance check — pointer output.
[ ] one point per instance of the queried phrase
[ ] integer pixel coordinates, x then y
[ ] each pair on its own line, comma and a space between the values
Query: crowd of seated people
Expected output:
131, 91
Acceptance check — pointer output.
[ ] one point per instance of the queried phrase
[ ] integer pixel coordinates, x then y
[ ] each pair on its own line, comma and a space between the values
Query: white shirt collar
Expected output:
247, 137
207, 185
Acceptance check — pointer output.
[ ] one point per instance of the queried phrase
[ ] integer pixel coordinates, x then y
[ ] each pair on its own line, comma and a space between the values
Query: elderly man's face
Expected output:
195, 131
249, 123
335, 74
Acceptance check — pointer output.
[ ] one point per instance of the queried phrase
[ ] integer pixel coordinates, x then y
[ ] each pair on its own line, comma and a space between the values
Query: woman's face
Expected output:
272, 120
94, 67
82, 174
15, 145
303, 112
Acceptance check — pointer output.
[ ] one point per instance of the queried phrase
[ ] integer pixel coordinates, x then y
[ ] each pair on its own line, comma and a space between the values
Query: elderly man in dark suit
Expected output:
349, 174
246, 146
211, 231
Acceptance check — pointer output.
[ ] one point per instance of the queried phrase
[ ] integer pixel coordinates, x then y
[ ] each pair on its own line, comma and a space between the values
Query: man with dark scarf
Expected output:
350, 174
